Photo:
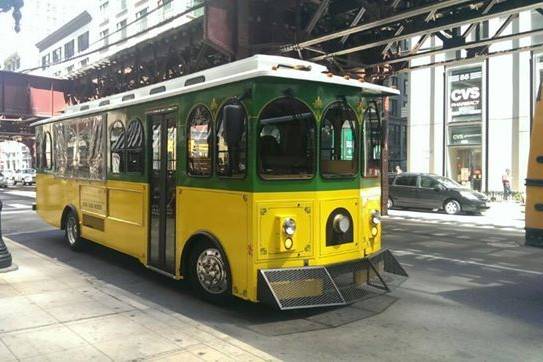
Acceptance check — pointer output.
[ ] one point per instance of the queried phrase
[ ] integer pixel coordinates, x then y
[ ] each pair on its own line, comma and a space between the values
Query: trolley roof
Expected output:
253, 67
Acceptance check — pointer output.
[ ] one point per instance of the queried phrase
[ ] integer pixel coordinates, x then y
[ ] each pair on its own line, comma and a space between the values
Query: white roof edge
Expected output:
252, 67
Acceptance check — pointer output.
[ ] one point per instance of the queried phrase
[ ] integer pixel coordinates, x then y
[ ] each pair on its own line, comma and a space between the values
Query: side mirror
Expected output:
438, 188
233, 117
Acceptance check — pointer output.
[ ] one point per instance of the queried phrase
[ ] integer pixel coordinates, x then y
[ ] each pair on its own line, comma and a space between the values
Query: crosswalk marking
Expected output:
22, 193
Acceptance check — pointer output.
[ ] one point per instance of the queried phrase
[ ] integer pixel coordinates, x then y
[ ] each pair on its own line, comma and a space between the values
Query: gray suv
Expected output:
429, 191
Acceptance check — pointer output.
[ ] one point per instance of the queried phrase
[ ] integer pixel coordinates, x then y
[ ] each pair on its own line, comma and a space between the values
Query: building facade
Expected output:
14, 156
397, 122
105, 28
51, 15
471, 121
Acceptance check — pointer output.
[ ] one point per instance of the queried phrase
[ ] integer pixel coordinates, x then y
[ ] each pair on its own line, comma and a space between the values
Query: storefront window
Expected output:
465, 130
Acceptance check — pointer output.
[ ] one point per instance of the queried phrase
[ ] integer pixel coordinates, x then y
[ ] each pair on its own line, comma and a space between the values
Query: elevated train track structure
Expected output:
366, 39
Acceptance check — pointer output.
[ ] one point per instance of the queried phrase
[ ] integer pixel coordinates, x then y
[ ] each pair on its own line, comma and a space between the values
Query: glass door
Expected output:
162, 191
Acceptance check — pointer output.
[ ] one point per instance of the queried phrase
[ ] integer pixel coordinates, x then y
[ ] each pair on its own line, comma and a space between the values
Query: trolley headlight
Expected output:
375, 217
342, 224
289, 226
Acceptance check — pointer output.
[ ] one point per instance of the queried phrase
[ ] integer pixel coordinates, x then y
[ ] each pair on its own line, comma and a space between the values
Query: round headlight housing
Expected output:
289, 226
342, 223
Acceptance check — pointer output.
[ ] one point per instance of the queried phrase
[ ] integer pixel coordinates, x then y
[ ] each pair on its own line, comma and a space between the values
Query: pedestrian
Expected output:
506, 181
398, 170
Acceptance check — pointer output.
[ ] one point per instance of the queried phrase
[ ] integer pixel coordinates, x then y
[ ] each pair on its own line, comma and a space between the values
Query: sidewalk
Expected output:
504, 215
50, 311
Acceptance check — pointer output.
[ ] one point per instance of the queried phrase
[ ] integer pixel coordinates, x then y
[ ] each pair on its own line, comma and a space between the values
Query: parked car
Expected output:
429, 191
27, 177
3, 180
9, 175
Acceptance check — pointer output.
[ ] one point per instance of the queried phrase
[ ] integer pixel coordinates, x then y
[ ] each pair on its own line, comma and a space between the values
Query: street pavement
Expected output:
474, 293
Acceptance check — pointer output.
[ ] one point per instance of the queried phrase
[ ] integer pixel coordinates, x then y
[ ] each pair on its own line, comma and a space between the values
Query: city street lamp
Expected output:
16, 5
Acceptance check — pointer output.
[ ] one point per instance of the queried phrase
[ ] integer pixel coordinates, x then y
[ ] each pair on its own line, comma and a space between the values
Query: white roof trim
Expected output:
253, 67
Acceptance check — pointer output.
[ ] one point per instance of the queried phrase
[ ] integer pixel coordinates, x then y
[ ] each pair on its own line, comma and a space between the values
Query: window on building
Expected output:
45, 60
83, 42
104, 35
104, 6
122, 4
69, 49
231, 155
338, 142
142, 19
199, 142
483, 30
394, 107
69, 69
84, 62
57, 55
166, 7
121, 25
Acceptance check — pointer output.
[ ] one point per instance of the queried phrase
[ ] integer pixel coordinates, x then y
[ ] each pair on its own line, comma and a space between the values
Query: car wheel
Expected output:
390, 203
209, 272
72, 231
452, 207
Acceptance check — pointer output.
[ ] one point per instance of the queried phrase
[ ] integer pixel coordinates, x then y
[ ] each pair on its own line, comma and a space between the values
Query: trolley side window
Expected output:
338, 155
39, 147
199, 142
48, 151
116, 140
286, 138
373, 140
231, 147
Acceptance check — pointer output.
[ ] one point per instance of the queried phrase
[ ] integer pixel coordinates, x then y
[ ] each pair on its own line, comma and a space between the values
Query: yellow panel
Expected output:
534, 194
223, 214
359, 202
126, 205
327, 207
271, 240
93, 199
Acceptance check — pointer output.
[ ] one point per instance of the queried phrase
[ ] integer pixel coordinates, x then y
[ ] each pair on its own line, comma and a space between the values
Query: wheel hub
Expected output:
211, 271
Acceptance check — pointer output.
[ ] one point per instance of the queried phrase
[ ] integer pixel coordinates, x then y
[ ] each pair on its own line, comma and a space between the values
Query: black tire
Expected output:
206, 257
390, 203
452, 207
72, 231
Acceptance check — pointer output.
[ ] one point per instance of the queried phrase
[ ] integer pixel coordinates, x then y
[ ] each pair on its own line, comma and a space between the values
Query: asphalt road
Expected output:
474, 293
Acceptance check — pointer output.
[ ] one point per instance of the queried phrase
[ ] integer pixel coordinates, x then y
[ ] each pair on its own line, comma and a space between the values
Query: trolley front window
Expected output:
338, 142
286, 140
